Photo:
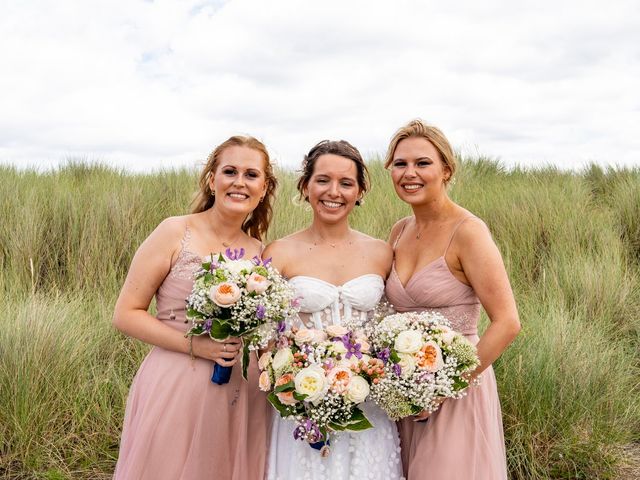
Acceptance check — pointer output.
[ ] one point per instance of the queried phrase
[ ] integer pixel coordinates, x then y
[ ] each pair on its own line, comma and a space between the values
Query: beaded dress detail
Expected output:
464, 438
370, 454
180, 425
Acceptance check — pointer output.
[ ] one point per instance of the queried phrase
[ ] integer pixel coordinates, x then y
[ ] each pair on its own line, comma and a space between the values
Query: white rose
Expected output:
236, 266
358, 389
408, 341
311, 382
338, 347
257, 283
224, 294
265, 360
336, 331
407, 364
282, 359
447, 337
264, 382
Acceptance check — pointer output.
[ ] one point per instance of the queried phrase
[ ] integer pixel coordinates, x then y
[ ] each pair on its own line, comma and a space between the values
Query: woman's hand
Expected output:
423, 415
225, 353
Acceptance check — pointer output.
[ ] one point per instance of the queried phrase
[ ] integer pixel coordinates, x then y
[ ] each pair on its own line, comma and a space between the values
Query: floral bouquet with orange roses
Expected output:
424, 362
233, 296
318, 378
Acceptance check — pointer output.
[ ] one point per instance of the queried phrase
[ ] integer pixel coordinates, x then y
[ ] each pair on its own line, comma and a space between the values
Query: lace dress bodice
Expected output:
323, 304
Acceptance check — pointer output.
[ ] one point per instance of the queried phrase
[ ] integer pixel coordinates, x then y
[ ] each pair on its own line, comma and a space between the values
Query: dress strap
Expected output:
453, 233
395, 242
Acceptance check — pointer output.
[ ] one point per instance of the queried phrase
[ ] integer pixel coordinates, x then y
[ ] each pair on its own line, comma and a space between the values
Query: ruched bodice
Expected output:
322, 303
434, 287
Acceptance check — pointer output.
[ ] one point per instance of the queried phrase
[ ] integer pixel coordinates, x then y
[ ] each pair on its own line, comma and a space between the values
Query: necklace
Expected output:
332, 245
419, 230
226, 244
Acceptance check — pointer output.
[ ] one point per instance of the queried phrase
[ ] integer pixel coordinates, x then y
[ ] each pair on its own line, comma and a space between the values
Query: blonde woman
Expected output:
446, 261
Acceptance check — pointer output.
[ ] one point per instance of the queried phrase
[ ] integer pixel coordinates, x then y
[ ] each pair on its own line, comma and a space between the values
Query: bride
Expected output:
338, 273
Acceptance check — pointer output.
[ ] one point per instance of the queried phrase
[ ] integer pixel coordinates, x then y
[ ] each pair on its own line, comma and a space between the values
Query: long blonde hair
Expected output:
257, 223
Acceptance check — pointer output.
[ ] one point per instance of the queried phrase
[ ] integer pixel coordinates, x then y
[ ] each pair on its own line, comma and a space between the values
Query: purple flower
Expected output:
260, 311
266, 262
309, 431
352, 348
235, 255
281, 327
397, 369
384, 355
207, 326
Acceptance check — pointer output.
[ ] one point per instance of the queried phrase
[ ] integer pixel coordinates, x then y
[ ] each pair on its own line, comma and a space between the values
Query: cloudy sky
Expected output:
147, 84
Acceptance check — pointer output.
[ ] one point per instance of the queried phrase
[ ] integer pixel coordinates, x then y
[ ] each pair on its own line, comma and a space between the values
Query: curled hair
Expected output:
341, 148
257, 222
418, 128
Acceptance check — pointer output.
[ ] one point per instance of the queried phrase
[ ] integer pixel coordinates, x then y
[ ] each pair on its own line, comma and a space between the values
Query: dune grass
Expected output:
569, 385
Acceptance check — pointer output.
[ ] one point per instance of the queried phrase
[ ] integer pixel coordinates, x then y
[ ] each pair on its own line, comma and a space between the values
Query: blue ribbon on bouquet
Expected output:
221, 375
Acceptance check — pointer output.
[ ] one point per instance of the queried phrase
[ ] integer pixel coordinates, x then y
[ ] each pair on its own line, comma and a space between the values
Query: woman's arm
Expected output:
484, 270
151, 264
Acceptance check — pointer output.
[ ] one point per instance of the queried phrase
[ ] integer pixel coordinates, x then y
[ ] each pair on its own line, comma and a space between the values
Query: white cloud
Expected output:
147, 84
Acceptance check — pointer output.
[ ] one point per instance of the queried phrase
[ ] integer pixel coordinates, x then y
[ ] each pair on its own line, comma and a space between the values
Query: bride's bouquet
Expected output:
232, 296
424, 362
318, 378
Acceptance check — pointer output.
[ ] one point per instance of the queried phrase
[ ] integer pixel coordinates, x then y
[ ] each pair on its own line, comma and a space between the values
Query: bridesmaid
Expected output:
178, 424
446, 261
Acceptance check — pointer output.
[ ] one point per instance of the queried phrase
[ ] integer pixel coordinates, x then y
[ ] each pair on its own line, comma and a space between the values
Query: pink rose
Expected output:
257, 283
339, 378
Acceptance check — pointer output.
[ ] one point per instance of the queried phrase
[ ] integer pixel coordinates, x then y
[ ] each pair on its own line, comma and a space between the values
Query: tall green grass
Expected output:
571, 242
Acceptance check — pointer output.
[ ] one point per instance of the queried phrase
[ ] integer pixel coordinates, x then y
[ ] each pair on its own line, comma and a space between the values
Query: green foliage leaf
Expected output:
287, 387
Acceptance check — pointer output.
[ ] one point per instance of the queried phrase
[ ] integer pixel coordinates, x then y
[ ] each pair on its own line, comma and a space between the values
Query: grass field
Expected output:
569, 385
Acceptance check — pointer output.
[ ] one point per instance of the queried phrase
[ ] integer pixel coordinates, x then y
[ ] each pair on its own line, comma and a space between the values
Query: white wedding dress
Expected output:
370, 454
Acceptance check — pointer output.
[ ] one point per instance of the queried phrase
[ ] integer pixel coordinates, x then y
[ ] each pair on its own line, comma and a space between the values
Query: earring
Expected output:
213, 193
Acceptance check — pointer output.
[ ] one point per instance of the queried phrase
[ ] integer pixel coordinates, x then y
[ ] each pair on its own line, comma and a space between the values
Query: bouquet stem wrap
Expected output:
221, 375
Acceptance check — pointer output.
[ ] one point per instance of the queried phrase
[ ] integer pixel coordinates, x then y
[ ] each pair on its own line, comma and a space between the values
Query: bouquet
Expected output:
318, 377
424, 361
232, 296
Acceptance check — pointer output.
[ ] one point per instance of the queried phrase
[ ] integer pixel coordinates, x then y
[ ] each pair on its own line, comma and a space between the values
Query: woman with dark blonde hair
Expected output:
178, 424
338, 273
446, 261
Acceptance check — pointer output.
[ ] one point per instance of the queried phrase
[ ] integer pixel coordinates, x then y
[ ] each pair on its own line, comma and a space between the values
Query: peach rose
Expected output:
285, 397
224, 294
264, 382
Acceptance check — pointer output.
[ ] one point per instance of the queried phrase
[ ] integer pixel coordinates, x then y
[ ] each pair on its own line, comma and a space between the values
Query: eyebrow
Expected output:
341, 178
236, 168
426, 157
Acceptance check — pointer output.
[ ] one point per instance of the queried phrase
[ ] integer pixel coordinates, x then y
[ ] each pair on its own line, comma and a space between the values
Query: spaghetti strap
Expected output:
453, 233
395, 242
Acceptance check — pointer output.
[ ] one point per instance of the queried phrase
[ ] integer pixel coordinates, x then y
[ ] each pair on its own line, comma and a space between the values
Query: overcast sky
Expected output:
148, 84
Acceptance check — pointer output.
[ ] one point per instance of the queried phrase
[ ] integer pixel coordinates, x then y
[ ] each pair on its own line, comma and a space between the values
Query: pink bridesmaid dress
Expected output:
463, 439
180, 425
